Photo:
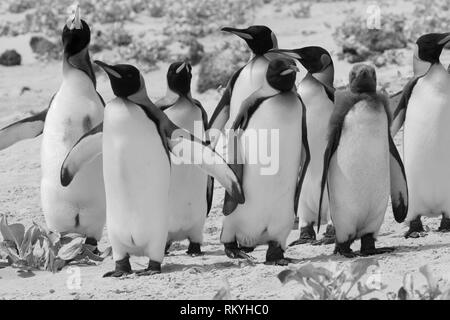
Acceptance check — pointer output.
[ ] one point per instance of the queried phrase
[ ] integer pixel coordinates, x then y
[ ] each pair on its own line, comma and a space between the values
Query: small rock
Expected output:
51, 291
10, 58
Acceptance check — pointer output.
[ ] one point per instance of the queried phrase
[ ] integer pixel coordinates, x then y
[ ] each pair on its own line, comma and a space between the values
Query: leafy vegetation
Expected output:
39, 248
217, 67
346, 283
431, 291
319, 283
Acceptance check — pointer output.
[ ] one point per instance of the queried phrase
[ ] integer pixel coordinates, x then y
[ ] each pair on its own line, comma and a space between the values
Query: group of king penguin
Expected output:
115, 163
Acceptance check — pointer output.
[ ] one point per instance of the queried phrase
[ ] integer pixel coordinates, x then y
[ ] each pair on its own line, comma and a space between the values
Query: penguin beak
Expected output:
75, 22
291, 69
287, 53
180, 68
242, 33
108, 69
445, 40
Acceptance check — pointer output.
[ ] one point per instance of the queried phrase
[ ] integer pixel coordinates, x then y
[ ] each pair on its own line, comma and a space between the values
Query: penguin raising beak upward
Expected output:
75, 21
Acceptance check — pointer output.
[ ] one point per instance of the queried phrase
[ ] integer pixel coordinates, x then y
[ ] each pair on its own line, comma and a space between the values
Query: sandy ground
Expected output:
185, 277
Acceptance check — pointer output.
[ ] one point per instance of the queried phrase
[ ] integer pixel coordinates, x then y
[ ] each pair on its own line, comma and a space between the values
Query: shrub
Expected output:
199, 18
323, 284
218, 66
44, 48
431, 291
429, 16
20, 6
10, 58
39, 248
359, 43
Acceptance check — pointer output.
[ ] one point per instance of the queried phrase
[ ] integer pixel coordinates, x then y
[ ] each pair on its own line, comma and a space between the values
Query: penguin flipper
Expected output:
222, 111
398, 105
330, 91
193, 151
27, 128
101, 99
399, 187
166, 102
84, 151
210, 183
209, 194
305, 158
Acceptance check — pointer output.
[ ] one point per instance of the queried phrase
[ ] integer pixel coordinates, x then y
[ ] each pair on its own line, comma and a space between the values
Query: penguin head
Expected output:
363, 79
126, 80
430, 46
260, 39
179, 77
281, 74
314, 59
76, 34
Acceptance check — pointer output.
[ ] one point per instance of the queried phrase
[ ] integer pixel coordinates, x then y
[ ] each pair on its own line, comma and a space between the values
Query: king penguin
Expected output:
136, 142
317, 92
361, 165
191, 190
424, 108
74, 110
267, 216
247, 79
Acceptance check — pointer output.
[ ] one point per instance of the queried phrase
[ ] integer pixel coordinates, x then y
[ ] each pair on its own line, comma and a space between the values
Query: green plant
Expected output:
360, 43
429, 16
199, 18
38, 248
325, 284
217, 67
431, 291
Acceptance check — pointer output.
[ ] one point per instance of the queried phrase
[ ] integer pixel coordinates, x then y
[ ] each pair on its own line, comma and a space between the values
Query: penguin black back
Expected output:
179, 78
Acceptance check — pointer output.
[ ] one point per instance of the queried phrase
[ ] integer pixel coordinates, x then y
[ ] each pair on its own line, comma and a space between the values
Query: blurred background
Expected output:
153, 33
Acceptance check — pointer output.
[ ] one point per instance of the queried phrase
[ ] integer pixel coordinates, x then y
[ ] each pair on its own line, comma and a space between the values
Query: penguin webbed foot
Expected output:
329, 237
416, 229
377, 251
344, 250
368, 247
445, 224
123, 268
153, 268
194, 249
167, 248
275, 255
307, 235
234, 252
93, 242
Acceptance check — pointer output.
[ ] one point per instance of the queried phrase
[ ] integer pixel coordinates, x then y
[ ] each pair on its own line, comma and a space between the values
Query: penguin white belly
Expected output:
187, 205
137, 179
268, 211
318, 112
80, 208
359, 176
427, 156
250, 79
